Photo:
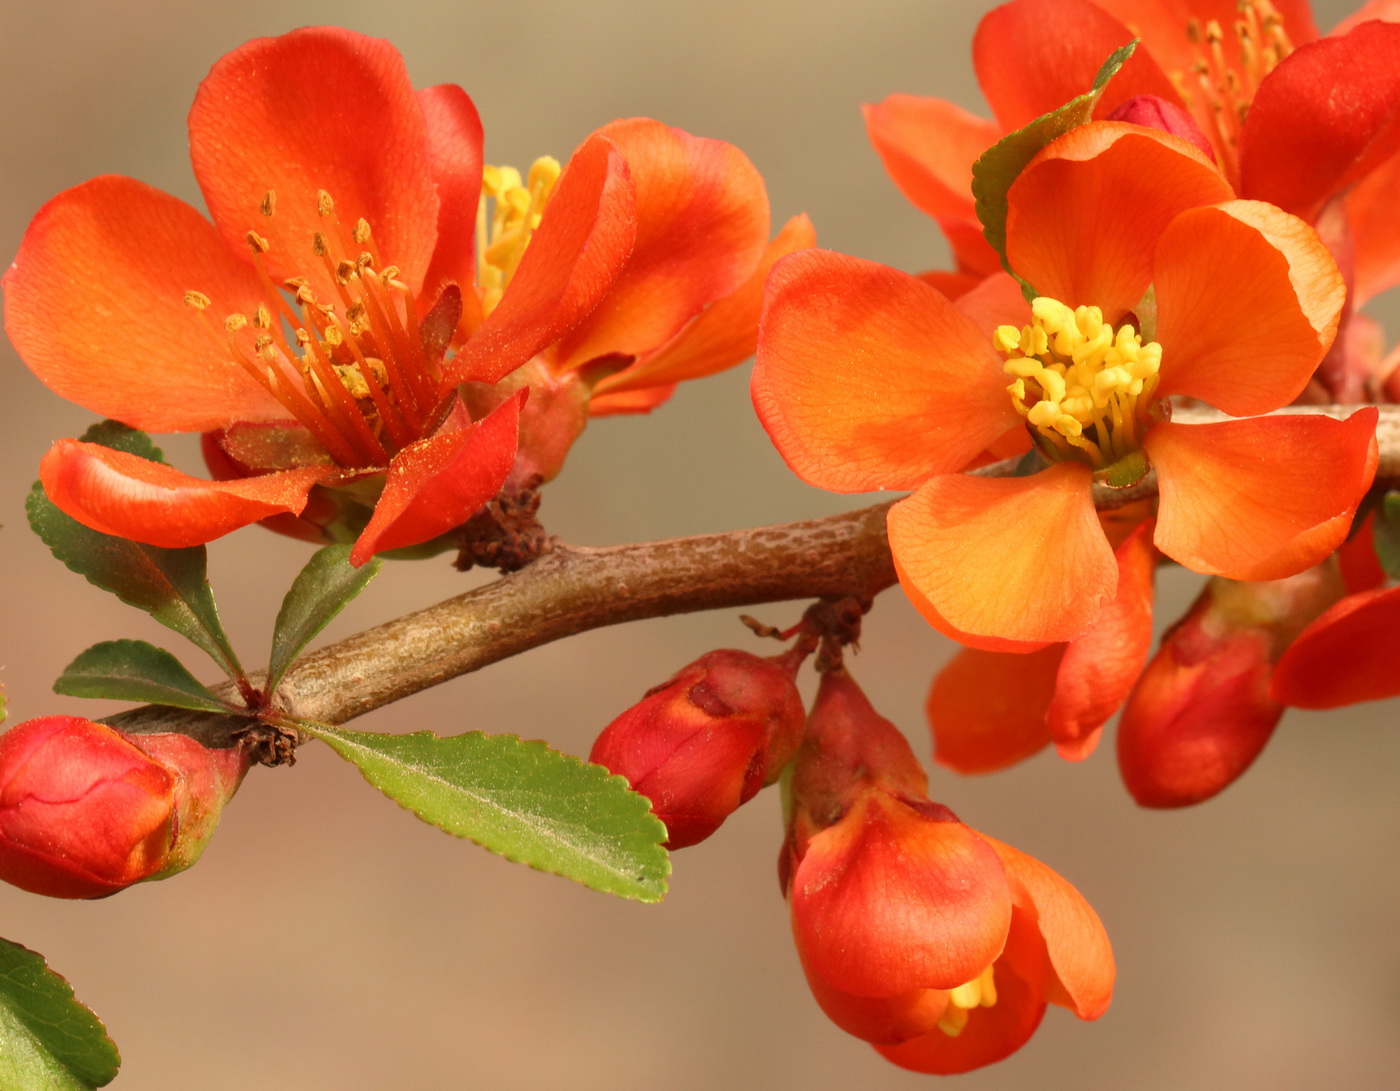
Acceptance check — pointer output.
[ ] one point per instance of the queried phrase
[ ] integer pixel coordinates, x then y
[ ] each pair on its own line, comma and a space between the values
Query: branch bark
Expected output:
573, 589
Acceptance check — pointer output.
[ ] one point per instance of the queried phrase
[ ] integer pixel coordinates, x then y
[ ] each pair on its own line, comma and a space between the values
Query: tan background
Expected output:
330, 941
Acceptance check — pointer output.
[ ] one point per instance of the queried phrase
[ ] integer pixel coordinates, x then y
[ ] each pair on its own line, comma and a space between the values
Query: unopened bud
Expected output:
86, 810
1152, 112
706, 741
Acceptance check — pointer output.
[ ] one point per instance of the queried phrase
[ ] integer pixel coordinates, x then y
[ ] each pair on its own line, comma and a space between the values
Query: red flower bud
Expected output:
935, 943
1152, 112
707, 740
86, 810
1201, 711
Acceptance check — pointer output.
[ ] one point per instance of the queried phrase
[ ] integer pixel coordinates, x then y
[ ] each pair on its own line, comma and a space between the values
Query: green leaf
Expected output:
1387, 534
319, 592
522, 800
1002, 163
48, 1041
169, 584
132, 670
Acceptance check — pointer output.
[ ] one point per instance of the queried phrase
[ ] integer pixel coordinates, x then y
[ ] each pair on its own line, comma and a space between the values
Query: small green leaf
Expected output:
1002, 163
1387, 534
169, 584
132, 670
48, 1041
522, 800
319, 592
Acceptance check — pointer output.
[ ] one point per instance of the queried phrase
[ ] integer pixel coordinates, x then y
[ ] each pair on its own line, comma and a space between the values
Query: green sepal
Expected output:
1002, 163
1386, 533
1126, 472
132, 670
48, 1040
169, 584
521, 800
320, 591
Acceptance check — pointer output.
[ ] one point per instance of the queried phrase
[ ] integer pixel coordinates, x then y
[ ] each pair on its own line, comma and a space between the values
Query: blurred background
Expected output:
329, 940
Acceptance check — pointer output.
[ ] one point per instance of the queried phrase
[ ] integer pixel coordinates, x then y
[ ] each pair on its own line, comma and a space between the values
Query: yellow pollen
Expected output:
235, 322
324, 205
980, 992
361, 231
197, 300
257, 242
1084, 388
503, 234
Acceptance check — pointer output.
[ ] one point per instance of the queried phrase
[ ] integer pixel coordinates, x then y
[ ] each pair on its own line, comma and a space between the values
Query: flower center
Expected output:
981, 992
503, 232
1084, 388
1219, 88
356, 371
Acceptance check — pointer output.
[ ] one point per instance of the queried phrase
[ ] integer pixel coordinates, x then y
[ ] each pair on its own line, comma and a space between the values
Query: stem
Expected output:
572, 589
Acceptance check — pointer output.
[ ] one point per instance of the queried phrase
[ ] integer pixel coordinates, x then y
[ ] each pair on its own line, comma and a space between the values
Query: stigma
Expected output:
503, 230
980, 992
1084, 388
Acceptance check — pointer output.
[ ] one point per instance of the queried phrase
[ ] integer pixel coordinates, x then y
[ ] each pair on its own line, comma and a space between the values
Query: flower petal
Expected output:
1019, 558
1081, 958
610, 404
574, 256
996, 301
319, 108
1263, 498
987, 709
1248, 301
866, 378
928, 146
1033, 56
892, 899
1348, 655
1324, 118
1084, 216
94, 303
723, 334
1100, 667
1373, 211
702, 225
130, 497
440, 482
454, 154
882, 1019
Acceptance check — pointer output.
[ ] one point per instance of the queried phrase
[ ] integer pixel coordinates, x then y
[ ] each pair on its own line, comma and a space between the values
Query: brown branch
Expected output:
573, 589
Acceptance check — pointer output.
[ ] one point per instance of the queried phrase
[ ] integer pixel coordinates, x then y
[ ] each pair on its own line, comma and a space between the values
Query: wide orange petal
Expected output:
1388, 10
702, 225
1348, 655
996, 301
882, 1019
723, 334
1373, 211
1018, 558
440, 482
866, 378
1248, 301
574, 256
1084, 216
1081, 958
131, 497
994, 1033
1324, 118
1263, 498
454, 153
1100, 667
1033, 56
987, 709
1356, 557
630, 401
94, 304
319, 108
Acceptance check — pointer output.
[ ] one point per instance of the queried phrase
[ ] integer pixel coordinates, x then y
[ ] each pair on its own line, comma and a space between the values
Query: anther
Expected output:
257, 242
346, 270
318, 245
235, 322
324, 205
197, 300
362, 231
387, 275
263, 318
269, 203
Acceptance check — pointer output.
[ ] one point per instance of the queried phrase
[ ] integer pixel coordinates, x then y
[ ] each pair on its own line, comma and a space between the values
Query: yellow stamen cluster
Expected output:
353, 371
981, 992
1219, 88
504, 233
1084, 388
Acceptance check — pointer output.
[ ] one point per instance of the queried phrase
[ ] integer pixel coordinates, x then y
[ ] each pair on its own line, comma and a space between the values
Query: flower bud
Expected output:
86, 810
707, 740
1201, 711
1152, 112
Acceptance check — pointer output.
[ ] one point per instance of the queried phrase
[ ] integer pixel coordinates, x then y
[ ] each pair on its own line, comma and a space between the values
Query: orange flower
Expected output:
869, 379
365, 269
939, 945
